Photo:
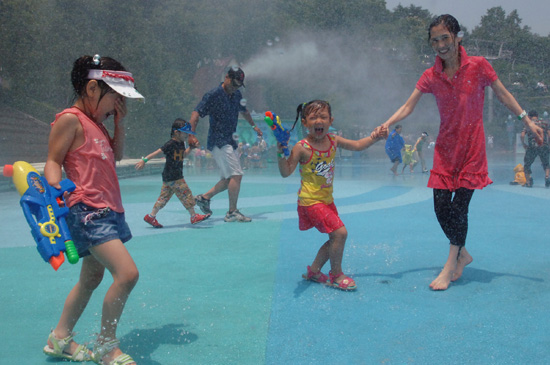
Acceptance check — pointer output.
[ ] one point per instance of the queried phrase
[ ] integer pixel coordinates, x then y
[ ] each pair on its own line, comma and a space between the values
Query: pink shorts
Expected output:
321, 216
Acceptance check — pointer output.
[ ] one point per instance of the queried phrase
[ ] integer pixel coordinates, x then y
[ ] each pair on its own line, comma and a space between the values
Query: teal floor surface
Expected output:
232, 293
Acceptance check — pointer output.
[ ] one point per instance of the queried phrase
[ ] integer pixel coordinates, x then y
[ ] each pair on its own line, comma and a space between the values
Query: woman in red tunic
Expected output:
458, 83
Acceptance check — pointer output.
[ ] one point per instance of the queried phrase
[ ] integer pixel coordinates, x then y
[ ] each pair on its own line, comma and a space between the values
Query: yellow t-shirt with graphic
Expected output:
317, 175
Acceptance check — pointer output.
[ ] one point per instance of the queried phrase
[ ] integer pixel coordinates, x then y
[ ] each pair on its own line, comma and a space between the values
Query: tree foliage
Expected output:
164, 43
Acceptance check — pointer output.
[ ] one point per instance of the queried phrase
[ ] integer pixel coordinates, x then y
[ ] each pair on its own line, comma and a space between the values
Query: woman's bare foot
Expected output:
443, 279
463, 260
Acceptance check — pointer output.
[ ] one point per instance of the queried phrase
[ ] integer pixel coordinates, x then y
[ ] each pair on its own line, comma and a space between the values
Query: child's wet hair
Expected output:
178, 123
448, 21
313, 106
81, 67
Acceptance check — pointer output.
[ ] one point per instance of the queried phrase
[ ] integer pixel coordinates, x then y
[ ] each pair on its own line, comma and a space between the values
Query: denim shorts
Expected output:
90, 227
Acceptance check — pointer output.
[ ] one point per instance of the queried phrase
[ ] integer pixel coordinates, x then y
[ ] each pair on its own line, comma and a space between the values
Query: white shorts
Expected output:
228, 161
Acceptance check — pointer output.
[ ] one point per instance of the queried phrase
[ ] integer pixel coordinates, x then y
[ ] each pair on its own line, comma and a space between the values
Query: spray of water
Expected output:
363, 83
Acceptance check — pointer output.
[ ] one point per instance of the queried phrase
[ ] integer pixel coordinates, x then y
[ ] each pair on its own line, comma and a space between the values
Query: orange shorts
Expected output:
321, 216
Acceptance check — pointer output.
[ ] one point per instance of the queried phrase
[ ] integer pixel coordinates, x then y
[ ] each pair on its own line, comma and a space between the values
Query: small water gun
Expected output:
45, 210
282, 135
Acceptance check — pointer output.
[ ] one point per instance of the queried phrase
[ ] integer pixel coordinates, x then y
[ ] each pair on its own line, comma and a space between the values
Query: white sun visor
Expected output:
120, 81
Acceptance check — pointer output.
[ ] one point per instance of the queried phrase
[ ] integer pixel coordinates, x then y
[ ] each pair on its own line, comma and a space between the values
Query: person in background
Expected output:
533, 149
223, 104
418, 147
394, 145
172, 175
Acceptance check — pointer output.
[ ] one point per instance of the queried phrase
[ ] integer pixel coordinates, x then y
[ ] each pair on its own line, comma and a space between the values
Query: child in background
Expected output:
519, 175
418, 146
172, 175
81, 144
316, 154
408, 158
394, 145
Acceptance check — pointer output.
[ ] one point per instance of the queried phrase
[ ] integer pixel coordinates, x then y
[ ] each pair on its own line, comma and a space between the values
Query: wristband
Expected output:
253, 125
522, 115
145, 160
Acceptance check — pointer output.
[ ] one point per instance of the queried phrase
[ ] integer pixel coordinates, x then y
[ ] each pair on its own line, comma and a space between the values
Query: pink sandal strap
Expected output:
346, 284
311, 275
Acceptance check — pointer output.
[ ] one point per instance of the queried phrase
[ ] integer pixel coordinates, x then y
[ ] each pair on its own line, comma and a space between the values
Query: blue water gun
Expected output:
45, 210
282, 135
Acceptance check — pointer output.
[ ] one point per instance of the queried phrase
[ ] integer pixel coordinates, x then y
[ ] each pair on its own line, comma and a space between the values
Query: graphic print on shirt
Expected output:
105, 147
178, 155
326, 170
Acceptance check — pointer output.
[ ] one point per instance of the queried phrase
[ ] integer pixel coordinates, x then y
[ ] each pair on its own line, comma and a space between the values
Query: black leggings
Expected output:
452, 213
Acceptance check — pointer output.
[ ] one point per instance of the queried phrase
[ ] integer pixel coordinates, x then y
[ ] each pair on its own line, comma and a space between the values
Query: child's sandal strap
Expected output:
123, 359
103, 349
59, 346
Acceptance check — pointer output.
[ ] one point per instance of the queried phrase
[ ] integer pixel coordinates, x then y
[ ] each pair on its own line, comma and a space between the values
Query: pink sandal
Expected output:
317, 277
346, 284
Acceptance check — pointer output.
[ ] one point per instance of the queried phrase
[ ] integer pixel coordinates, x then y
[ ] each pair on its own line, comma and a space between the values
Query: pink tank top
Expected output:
92, 167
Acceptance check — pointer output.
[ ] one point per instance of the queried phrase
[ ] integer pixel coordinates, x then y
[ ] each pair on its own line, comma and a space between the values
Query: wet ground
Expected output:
229, 293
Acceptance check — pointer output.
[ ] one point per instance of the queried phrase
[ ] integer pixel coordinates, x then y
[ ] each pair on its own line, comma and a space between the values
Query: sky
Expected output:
534, 13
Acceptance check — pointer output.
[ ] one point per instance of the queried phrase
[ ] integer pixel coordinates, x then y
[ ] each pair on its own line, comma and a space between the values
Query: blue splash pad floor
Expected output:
228, 293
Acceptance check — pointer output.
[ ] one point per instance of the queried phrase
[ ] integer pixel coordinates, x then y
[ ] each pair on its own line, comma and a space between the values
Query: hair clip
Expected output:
460, 34
96, 60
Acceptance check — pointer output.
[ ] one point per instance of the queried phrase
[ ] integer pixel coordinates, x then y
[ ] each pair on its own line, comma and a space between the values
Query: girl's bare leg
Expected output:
114, 256
336, 250
91, 275
321, 258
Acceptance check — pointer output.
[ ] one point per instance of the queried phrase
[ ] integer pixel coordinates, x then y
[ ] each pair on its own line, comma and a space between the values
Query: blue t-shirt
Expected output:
224, 111
394, 144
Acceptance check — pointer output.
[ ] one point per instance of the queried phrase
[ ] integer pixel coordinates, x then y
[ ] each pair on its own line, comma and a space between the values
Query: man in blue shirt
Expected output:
223, 105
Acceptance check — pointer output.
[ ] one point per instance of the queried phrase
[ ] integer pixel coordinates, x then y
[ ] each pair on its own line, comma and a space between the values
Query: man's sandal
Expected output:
80, 354
346, 284
101, 350
317, 277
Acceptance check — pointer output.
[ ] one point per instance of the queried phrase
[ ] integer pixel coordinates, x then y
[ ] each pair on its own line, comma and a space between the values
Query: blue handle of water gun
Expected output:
35, 204
281, 135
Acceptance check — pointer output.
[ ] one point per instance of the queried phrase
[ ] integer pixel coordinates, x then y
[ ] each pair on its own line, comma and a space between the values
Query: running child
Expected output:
458, 82
315, 154
408, 159
394, 144
80, 143
172, 175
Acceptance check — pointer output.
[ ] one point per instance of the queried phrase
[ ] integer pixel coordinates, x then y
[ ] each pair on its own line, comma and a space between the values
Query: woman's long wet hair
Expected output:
448, 21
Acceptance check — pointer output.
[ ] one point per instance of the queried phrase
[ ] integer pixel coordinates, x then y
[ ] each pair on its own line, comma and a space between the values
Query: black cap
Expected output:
533, 113
236, 73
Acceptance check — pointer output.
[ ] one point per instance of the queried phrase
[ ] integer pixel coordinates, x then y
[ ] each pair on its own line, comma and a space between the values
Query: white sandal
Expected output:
101, 350
59, 346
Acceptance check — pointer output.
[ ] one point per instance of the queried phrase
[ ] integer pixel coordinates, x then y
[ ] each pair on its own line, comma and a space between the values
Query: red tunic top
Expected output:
460, 160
